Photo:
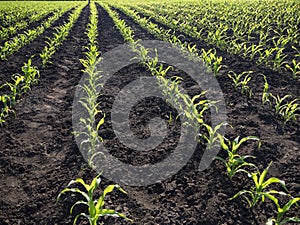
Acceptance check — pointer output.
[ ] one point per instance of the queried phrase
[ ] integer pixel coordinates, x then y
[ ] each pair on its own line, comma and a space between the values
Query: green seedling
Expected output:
95, 207
265, 56
280, 219
235, 162
297, 50
91, 139
241, 80
15, 87
287, 110
194, 109
31, 73
212, 137
5, 107
252, 50
212, 60
279, 102
294, 68
266, 93
279, 59
258, 192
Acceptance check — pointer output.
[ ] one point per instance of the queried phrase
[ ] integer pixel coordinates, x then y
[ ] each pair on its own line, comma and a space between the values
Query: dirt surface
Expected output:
39, 156
15, 61
32, 25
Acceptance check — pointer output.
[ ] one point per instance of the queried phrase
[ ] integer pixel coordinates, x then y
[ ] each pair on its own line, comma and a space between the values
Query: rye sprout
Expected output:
95, 207
235, 162
258, 192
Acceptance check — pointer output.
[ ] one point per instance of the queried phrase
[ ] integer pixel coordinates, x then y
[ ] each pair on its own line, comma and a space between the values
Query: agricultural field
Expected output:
250, 50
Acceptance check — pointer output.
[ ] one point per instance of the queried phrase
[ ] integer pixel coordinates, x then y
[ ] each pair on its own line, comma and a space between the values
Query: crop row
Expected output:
12, 46
13, 12
285, 107
234, 162
89, 133
21, 83
237, 29
243, 33
28, 17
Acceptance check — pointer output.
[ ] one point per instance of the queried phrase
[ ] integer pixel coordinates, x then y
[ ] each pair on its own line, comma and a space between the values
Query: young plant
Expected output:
294, 68
192, 108
195, 107
31, 73
287, 110
212, 60
90, 135
266, 94
279, 59
218, 37
89, 103
241, 80
95, 207
265, 56
280, 220
5, 107
258, 191
13, 45
212, 136
252, 50
297, 50
279, 102
15, 87
235, 162
170, 88
60, 35
46, 54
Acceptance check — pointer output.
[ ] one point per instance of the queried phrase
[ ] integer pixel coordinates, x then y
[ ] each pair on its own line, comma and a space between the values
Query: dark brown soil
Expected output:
14, 62
39, 156
33, 25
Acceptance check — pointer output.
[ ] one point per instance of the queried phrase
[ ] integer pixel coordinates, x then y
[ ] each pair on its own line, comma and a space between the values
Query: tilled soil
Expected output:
15, 61
39, 155
32, 25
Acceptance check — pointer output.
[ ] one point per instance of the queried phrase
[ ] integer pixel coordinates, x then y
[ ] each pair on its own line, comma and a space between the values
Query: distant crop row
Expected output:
267, 34
286, 107
21, 83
